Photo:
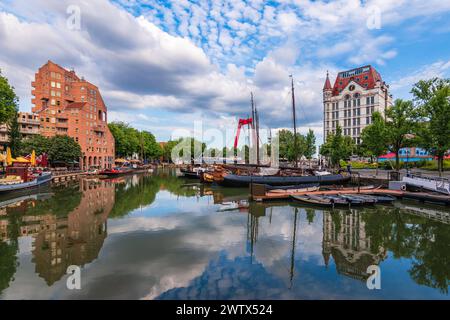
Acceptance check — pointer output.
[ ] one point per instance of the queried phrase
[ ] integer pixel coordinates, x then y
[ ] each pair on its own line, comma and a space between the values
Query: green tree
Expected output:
433, 106
14, 135
8, 100
400, 125
167, 150
285, 140
310, 144
127, 139
152, 149
38, 143
374, 137
337, 147
64, 148
287, 149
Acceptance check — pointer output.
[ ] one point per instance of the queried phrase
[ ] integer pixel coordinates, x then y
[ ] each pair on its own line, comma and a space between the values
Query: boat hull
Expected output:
232, 180
110, 174
45, 178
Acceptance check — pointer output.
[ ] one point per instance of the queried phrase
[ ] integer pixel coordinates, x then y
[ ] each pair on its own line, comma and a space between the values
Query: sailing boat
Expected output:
273, 176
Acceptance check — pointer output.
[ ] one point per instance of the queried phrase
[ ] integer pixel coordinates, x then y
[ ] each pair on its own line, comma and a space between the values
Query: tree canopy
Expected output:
400, 127
432, 99
374, 137
8, 100
63, 148
130, 141
306, 145
337, 147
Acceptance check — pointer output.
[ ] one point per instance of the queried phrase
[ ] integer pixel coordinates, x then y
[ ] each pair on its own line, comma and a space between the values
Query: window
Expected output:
52, 84
52, 93
53, 102
372, 100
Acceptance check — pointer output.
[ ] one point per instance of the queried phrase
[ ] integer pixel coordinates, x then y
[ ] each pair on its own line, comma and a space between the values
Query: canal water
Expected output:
162, 237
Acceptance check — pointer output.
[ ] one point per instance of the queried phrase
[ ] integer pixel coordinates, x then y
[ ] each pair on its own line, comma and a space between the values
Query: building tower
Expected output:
327, 91
350, 103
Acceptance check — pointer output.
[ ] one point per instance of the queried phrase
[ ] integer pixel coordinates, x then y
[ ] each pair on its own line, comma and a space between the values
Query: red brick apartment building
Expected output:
67, 104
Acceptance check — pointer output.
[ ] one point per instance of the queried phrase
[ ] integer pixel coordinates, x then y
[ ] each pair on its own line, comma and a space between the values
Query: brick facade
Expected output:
67, 104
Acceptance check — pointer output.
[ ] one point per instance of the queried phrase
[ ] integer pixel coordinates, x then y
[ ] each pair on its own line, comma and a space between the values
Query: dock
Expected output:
419, 196
67, 177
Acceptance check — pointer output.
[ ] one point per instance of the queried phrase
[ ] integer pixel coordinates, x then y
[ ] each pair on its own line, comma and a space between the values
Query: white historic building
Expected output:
356, 94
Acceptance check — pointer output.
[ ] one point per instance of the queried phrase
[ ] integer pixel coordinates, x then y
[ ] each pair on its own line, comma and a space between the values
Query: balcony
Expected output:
62, 124
99, 128
28, 121
29, 131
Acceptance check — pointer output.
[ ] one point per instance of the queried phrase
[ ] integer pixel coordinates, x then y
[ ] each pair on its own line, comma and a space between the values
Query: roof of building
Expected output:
365, 76
76, 105
327, 85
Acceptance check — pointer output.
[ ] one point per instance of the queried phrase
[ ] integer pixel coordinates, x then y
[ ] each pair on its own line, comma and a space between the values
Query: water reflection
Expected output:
161, 237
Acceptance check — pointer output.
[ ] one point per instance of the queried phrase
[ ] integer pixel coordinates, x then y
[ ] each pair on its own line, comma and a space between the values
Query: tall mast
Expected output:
255, 126
295, 125
253, 109
257, 135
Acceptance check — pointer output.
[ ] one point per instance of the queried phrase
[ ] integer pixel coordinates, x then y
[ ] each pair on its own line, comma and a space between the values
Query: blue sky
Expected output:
161, 65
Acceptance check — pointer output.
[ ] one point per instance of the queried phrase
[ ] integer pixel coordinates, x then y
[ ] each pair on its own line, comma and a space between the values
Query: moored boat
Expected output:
18, 178
114, 172
233, 180
317, 201
436, 184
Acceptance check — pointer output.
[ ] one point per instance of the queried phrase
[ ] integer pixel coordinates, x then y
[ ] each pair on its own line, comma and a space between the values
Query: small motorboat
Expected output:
317, 201
337, 199
18, 178
365, 198
354, 200
118, 171
299, 189
292, 187
385, 198
323, 201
